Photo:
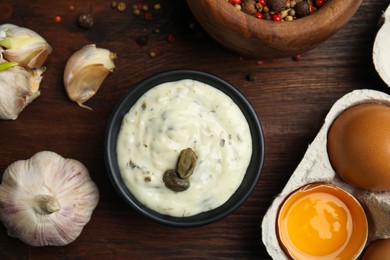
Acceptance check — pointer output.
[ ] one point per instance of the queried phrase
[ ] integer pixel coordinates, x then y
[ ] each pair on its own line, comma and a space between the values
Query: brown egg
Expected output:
378, 250
359, 146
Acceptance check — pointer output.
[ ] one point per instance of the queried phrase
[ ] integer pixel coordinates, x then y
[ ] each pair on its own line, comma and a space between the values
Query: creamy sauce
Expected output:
174, 116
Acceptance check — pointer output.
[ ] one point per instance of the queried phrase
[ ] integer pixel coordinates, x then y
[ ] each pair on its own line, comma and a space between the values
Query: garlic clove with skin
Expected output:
381, 50
47, 199
23, 46
85, 71
18, 88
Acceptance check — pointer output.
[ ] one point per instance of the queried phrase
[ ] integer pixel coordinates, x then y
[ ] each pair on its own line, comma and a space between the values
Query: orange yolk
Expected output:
318, 224
319, 221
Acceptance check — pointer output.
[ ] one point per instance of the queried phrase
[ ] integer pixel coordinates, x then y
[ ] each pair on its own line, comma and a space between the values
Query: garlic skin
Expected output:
381, 51
18, 88
47, 199
23, 46
85, 71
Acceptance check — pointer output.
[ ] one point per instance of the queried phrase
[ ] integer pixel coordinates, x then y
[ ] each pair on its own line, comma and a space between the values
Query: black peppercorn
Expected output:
142, 40
302, 9
85, 21
277, 5
249, 6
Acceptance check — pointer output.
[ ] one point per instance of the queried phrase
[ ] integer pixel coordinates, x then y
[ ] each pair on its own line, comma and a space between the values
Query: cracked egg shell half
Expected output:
321, 221
359, 146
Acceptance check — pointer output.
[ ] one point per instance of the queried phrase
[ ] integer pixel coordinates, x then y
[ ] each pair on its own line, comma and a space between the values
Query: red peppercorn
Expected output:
320, 3
148, 16
262, 2
277, 17
236, 2
171, 38
259, 62
259, 15
57, 19
297, 57
312, 9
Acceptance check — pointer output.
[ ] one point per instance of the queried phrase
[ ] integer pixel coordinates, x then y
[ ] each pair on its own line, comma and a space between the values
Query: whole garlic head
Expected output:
85, 71
18, 88
23, 46
381, 50
47, 199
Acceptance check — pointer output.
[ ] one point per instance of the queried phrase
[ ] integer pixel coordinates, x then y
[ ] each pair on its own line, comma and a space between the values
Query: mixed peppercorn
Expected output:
278, 10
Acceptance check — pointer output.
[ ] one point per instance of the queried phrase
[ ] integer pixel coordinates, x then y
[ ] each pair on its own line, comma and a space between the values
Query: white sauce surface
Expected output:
174, 116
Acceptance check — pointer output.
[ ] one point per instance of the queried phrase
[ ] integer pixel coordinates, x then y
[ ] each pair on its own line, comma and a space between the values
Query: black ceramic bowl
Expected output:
251, 176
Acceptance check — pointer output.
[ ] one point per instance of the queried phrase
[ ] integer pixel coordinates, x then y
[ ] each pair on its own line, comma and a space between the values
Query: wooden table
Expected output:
290, 97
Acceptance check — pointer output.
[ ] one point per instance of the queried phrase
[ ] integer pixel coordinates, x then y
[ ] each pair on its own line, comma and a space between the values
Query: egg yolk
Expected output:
317, 221
318, 224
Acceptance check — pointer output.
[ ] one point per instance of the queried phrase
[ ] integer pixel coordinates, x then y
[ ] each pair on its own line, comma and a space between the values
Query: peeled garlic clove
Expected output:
47, 199
18, 88
85, 71
381, 50
23, 46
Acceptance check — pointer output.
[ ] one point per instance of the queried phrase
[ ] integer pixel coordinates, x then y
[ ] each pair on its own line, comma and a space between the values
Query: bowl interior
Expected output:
253, 172
258, 38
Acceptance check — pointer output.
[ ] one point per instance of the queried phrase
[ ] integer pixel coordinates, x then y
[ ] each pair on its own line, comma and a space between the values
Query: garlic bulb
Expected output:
47, 199
85, 71
18, 88
23, 46
381, 51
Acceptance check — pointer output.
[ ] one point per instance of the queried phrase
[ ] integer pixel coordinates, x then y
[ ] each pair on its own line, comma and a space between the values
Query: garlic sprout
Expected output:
85, 71
18, 88
7, 65
23, 46
47, 199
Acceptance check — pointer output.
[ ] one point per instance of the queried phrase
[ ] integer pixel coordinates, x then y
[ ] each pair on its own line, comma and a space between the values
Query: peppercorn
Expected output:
292, 3
121, 6
148, 16
267, 16
136, 12
85, 21
297, 57
252, 76
276, 17
154, 53
259, 7
249, 6
142, 40
259, 15
320, 3
302, 9
277, 5
171, 38
236, 2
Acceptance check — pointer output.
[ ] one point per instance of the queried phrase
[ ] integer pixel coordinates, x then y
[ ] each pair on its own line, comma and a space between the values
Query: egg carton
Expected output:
316, 167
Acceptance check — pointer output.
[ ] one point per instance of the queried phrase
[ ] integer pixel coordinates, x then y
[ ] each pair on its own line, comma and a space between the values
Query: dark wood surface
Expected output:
290, 97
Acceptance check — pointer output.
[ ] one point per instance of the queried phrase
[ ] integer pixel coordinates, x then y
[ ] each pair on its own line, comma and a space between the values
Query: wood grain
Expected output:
291, 99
